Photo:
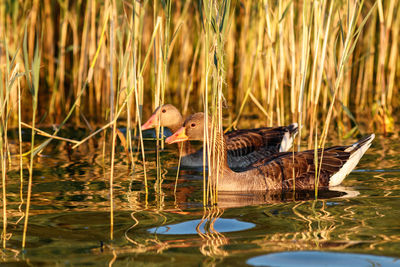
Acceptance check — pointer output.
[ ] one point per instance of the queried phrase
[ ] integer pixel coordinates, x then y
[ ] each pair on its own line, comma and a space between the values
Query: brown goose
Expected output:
244, 146
279, 170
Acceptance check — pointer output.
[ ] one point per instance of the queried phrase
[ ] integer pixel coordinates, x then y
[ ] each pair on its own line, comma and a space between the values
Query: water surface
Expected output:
69, 221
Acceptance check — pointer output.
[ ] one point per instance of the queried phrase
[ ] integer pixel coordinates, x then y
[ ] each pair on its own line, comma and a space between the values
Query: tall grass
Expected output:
281, 59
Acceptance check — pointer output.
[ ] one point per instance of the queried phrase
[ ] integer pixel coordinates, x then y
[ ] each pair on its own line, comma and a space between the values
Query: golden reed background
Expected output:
284, 61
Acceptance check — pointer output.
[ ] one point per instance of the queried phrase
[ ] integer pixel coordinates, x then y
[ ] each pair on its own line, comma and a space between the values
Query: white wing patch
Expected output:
351, 163
287, 140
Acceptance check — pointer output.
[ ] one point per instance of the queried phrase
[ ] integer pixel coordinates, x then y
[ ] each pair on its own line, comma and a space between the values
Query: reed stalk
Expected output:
7, 84
3, 132
21, 170
34, 88
131, 64
114, 126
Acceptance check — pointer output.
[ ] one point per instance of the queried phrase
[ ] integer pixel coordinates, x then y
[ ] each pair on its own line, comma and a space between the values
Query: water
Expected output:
357, 224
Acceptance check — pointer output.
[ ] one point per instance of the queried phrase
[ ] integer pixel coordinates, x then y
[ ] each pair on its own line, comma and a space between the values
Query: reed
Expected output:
7, 86
21, 170
32, 77
10, 90
215, 18
112, 111
281, 59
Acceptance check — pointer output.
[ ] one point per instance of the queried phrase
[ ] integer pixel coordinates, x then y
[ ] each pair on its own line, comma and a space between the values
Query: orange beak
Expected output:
150, 123
178, 136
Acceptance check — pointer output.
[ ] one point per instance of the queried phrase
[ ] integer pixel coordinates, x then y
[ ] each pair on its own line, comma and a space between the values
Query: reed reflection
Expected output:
211, 241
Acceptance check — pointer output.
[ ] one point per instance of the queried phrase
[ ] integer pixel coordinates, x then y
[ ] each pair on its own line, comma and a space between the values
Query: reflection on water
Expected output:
69, 223
315, 258
220, 225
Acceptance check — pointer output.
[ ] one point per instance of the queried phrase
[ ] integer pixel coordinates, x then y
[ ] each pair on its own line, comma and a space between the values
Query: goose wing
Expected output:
240, 143
280, 169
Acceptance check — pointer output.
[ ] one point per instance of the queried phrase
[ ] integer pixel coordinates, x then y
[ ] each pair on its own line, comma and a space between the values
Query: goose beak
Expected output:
150, 123
178, 136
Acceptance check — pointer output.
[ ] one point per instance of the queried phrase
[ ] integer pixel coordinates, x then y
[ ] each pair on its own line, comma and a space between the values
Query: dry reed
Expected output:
283, 57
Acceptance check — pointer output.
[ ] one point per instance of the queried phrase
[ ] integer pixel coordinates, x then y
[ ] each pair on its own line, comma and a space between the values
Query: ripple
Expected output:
317, 258
189, 227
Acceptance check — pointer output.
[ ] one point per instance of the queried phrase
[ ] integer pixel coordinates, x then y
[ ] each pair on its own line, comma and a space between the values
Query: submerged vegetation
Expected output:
327, 65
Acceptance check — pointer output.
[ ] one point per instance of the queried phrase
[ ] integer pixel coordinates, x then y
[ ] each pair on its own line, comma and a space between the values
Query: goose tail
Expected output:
356, 150
287, 140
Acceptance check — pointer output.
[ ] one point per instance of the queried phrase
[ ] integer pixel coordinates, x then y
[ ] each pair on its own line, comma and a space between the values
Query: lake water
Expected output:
356, 224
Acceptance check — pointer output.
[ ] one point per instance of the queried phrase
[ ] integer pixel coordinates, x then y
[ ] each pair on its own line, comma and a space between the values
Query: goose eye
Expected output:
163, 111
193, 124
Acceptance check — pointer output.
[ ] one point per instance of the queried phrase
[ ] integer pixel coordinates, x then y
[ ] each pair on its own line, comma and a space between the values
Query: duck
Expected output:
244, 146
282, 170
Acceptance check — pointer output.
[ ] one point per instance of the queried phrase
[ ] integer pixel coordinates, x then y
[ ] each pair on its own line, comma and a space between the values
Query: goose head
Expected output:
166, 116
192, 129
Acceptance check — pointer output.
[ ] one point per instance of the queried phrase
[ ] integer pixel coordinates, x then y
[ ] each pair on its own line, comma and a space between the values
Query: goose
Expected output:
284, 170
244, 146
